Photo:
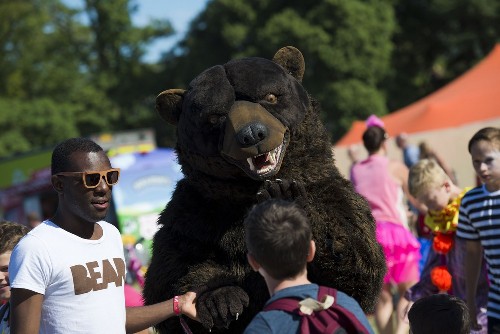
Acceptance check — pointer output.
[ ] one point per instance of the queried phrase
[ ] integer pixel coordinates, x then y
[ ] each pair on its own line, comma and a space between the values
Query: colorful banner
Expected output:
147, 181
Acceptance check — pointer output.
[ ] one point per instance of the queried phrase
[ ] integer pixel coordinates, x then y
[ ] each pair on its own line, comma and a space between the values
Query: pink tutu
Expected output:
402, 252
132, 297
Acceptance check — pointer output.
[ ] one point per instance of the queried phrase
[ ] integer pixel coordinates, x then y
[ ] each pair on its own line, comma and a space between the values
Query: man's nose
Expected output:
103, 185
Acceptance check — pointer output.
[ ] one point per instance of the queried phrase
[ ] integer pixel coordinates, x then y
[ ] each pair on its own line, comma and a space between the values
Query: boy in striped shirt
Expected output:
479, 223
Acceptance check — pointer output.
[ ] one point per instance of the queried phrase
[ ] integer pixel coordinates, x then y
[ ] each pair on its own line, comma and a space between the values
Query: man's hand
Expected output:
187, 305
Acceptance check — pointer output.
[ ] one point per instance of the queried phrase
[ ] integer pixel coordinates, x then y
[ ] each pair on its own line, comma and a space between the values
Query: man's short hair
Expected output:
61, 155
278, 236
489, 134
439, 314
424, 175
373, 137
10, 234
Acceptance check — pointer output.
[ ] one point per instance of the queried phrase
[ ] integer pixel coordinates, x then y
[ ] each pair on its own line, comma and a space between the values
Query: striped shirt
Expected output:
479, 219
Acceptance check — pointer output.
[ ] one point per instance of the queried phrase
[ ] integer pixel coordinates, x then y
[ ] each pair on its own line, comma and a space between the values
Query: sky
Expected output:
178, 12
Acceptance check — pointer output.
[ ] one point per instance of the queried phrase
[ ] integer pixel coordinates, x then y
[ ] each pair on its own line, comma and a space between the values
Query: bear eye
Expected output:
271, 98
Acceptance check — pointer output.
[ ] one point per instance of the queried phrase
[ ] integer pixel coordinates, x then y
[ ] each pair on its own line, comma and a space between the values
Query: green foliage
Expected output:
342, 42
67, 72
437, 41
61, 76
36, 123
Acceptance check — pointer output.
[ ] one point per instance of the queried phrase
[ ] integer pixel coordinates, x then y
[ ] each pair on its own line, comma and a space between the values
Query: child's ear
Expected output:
447, 185
253, 263
312, 251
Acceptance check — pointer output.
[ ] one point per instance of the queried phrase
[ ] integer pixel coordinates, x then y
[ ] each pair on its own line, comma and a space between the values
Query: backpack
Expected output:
326, 317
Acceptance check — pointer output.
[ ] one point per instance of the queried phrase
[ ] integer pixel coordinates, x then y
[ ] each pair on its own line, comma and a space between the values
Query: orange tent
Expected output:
473, 97
445, 119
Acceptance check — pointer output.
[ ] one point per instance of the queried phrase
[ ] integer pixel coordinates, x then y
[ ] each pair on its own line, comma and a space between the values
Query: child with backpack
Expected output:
279, 242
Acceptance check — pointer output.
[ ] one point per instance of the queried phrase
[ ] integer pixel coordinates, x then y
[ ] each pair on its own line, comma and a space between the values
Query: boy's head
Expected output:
429, 184
439, 314
484, 148
10, 234
278, 238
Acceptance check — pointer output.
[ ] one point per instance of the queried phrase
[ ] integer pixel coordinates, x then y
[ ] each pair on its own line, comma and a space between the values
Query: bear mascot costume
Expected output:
248, 131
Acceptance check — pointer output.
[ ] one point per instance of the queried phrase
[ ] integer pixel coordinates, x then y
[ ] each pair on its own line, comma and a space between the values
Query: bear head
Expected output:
228, 126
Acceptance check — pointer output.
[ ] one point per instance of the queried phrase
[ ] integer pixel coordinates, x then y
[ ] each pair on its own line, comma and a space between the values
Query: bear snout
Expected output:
252, 133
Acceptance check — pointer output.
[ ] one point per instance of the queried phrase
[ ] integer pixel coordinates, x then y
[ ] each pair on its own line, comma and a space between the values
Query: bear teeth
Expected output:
264, 163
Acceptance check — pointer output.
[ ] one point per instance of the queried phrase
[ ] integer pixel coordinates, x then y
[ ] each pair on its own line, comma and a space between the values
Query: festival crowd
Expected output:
441, 242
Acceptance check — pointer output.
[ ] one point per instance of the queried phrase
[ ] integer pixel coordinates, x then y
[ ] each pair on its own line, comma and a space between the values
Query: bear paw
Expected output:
221, 306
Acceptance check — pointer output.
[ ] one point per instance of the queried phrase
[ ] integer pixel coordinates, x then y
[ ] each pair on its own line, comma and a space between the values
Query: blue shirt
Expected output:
277, 321
411, 155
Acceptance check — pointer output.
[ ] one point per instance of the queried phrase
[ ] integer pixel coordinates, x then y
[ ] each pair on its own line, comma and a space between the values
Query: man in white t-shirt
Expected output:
68, 274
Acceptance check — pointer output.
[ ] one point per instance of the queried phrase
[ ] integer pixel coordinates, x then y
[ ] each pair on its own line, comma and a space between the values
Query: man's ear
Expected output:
312, 251
169, 105
57, 184
253, 263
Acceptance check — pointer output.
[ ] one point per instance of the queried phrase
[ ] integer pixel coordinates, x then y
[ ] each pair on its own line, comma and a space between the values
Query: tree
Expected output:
437, 41
81, 76
346, 44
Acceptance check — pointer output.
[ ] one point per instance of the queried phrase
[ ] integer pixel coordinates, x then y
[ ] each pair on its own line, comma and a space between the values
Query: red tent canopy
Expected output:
474, 96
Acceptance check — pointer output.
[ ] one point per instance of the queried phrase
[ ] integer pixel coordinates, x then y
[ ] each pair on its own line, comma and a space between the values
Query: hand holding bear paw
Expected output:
221, 306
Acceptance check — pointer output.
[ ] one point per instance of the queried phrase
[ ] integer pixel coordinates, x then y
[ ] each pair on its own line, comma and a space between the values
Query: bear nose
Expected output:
252, 134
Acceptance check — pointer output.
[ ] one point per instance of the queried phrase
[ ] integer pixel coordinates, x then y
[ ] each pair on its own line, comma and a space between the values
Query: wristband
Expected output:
177, 310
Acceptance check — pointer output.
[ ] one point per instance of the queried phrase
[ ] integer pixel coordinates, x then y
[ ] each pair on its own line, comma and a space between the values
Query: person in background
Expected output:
439, 314
279, 241
383, 183
479, 224
10, 234
444, 269
411, 153
68, 273
33, 219
354, 156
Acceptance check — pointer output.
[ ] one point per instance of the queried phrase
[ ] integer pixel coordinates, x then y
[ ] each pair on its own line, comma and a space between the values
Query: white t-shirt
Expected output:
82, 280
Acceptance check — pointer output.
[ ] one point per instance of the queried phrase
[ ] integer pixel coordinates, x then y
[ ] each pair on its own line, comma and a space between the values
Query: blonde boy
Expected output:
431, 186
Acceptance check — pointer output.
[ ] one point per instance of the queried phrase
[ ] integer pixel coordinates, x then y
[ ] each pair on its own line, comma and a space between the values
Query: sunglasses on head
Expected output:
92, 179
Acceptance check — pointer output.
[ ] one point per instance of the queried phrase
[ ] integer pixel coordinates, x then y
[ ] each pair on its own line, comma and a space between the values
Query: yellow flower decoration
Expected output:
446, 220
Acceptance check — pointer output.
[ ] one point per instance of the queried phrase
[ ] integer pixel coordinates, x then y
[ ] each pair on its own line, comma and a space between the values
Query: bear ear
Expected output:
291, 59
169, 105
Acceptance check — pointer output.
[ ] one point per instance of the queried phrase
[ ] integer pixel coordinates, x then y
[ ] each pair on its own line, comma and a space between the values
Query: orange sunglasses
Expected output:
92, 179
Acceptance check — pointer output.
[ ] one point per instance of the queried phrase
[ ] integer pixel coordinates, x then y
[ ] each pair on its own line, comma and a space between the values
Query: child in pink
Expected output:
384, 183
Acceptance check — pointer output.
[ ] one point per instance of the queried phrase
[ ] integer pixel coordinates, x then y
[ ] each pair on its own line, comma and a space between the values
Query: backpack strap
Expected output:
324, 290
358, 326
290, 305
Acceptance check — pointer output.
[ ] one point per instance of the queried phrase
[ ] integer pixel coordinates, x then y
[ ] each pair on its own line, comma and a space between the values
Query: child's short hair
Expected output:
373, 137
278, 235
10, 234
489, 134
439, 314
425, 175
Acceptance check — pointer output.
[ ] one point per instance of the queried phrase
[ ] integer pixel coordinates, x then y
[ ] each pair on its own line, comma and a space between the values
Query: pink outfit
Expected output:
372, 180
132, 297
